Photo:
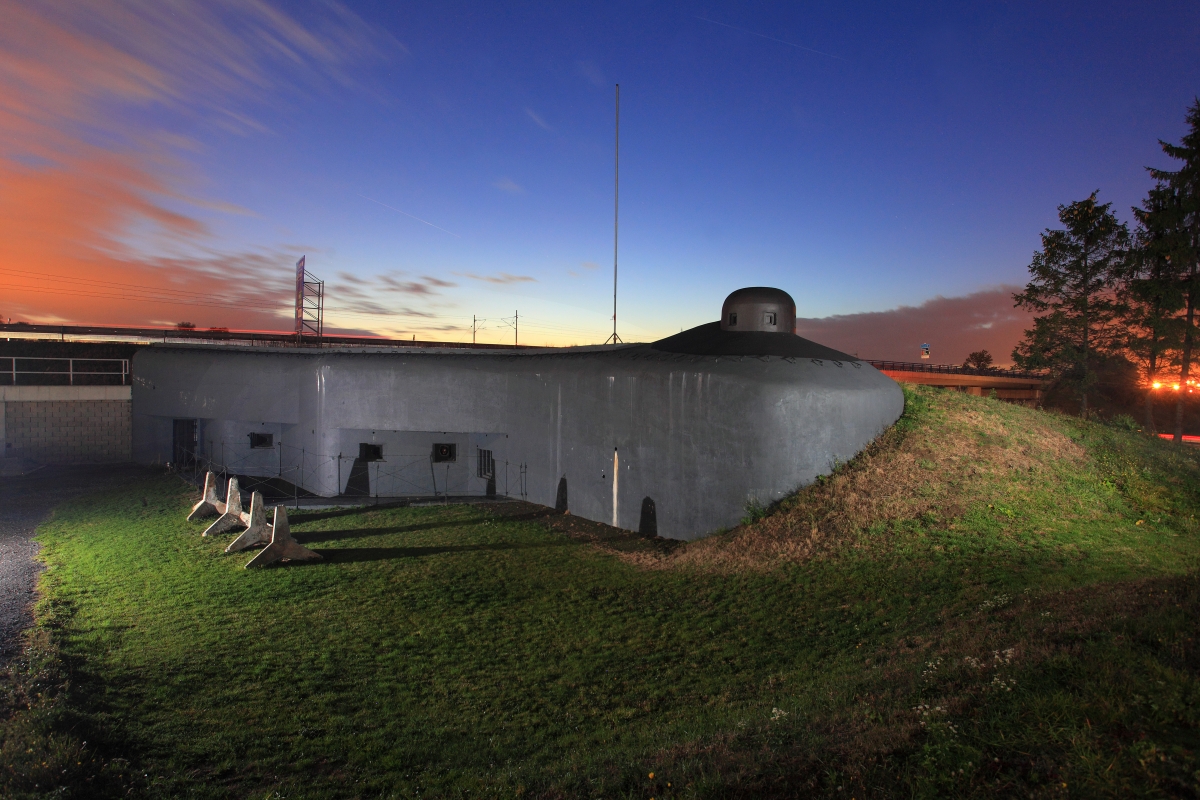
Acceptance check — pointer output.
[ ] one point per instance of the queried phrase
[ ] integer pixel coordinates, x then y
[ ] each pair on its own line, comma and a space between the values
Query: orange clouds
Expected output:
100, 105
63, 256
952, 326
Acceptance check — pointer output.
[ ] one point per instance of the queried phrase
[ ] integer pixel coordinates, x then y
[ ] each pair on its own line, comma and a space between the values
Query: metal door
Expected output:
183, 443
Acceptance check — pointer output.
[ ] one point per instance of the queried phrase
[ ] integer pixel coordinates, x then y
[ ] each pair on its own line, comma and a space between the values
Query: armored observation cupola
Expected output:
759, 309
755, 321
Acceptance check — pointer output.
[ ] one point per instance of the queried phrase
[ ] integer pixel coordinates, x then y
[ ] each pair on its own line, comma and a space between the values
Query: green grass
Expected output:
1013, 631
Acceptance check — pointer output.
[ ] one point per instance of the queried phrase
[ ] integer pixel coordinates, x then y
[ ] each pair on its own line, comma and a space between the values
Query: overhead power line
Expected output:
95, 288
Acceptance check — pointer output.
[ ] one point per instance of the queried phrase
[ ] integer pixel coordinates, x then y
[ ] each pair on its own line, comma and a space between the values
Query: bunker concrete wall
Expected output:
700, 436
66, 424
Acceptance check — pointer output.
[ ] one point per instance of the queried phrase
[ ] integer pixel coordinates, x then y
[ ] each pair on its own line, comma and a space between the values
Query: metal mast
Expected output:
310, 304
615, 339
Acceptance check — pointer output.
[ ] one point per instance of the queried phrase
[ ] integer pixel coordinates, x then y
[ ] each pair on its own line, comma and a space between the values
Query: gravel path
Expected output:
25, 502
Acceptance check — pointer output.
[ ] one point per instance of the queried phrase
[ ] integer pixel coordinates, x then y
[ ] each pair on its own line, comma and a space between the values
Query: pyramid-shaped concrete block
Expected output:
209, 505
282, 547
244, 516
232, 516
257, 532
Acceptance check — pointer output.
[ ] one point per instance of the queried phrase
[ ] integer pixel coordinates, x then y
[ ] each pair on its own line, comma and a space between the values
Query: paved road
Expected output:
24, 503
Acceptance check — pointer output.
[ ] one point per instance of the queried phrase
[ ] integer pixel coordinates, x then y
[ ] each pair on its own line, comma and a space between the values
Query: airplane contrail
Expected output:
405, 213
772, 38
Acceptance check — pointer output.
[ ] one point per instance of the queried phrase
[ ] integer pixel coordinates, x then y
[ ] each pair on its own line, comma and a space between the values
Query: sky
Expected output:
890, 166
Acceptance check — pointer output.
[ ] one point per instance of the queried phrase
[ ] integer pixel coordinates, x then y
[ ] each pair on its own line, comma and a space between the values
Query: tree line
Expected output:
1099, 290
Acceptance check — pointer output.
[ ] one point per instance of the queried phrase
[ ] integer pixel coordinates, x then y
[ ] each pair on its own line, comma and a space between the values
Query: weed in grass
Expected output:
753, 511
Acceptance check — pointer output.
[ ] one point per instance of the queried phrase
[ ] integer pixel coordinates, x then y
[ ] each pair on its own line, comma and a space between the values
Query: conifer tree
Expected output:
1074, 284
1181, 216
1153, 292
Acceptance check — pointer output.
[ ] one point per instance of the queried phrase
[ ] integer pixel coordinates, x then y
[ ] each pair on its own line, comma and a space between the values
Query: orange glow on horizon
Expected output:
92, 196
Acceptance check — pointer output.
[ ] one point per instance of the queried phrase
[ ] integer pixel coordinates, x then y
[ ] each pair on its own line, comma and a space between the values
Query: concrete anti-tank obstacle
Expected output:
282, 545
209, 505
257, 530
233, 511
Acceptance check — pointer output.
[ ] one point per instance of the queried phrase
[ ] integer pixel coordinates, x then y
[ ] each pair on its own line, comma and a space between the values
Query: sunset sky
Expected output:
889, 166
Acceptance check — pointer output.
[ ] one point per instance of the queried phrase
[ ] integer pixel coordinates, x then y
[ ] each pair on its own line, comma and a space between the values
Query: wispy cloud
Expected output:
391, 283
502, 278
541, 122
508, 185
363, 289
247, 290
95, 196
372, 308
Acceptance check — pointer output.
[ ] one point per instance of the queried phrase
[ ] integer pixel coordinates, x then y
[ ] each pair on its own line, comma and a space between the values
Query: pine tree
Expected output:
1181, 216
1153, 291
1074, 284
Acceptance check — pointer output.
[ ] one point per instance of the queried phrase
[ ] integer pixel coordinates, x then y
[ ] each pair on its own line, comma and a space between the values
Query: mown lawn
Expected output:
1024, 625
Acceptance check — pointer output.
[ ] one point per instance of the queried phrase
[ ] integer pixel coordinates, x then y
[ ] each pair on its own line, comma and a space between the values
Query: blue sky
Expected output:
862, 157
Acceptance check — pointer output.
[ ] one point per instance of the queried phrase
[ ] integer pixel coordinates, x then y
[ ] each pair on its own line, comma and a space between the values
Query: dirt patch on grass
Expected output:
948, 453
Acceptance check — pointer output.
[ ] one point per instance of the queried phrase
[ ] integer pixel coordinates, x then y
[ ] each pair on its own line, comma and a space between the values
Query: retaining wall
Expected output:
67, 424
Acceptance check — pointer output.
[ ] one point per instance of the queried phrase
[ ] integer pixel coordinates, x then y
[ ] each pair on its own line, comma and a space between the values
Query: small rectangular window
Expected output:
769, 318
262, 440
733, 318
370, 452
445, 452
487, 466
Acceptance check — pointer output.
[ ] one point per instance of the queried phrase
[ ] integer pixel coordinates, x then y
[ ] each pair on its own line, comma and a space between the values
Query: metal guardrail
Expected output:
217, 335
952, 369
31, 371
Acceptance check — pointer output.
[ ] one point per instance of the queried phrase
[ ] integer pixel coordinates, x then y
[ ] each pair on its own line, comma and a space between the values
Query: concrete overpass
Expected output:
1025, 388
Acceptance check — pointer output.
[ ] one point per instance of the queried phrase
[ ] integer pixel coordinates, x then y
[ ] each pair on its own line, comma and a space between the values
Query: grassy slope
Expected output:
969, 607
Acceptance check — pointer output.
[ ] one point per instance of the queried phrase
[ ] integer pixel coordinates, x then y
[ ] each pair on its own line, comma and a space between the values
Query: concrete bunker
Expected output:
674, 437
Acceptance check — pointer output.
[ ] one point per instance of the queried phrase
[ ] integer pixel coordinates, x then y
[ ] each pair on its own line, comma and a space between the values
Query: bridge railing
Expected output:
30, 371
953, 369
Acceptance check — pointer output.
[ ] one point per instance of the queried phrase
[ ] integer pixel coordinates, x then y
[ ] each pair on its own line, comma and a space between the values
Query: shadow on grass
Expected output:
358, 533
353, 555
359, 507
297, 517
